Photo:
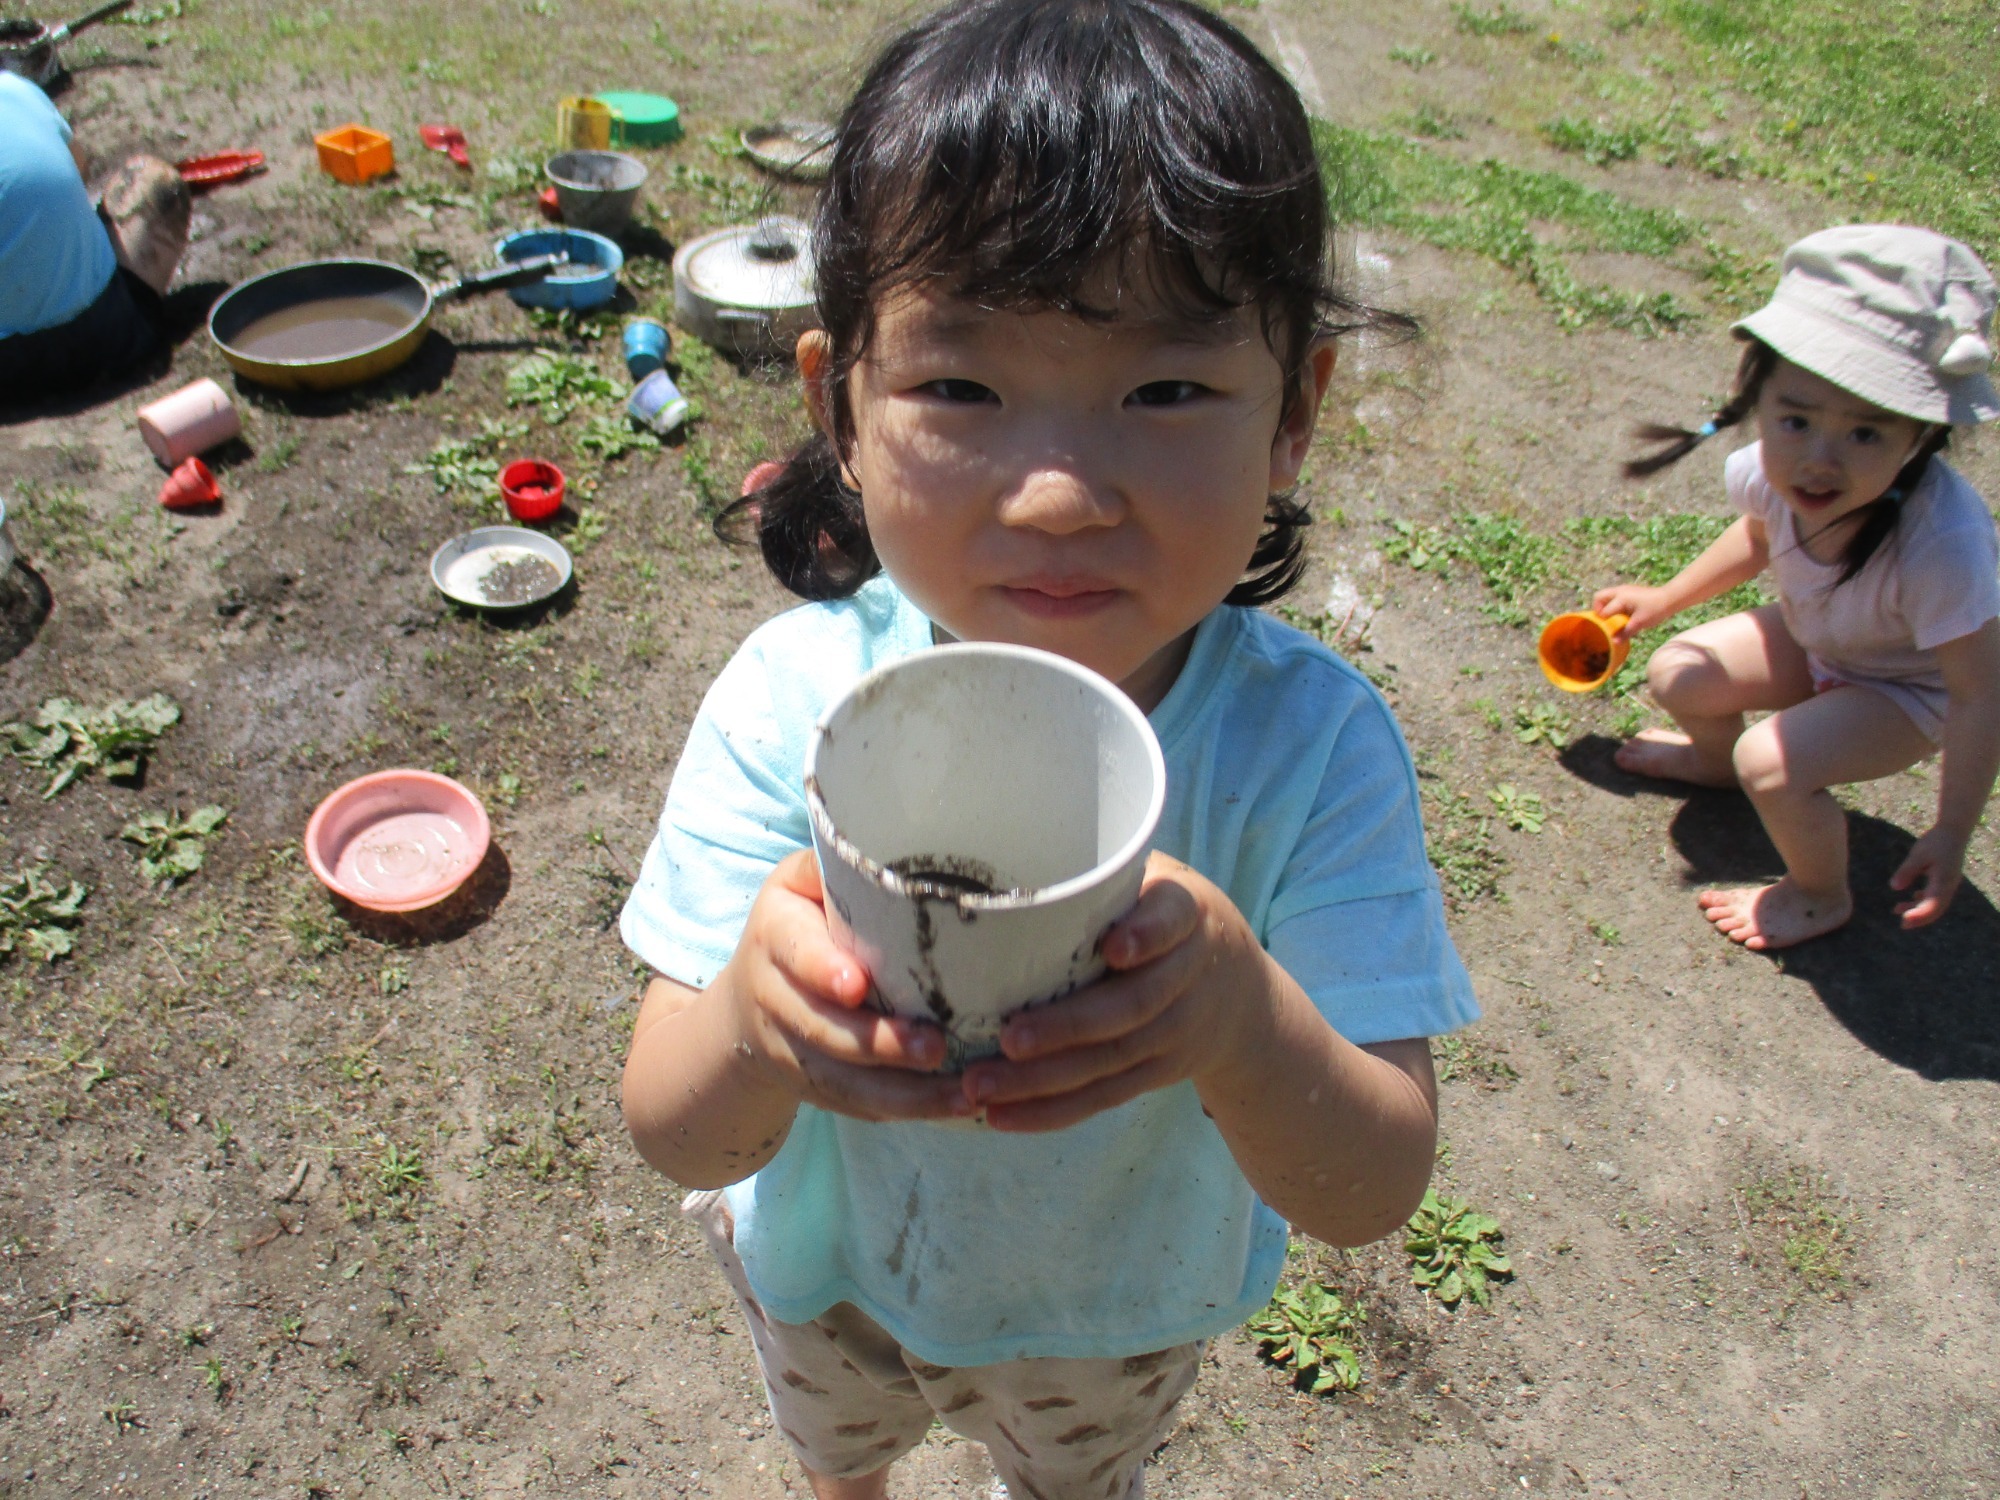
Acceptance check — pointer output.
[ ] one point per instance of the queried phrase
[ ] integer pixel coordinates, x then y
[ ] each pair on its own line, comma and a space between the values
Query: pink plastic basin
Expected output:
397, 840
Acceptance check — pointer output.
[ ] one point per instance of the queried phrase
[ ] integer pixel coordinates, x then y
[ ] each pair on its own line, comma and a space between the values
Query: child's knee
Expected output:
1680, 674
1760, 761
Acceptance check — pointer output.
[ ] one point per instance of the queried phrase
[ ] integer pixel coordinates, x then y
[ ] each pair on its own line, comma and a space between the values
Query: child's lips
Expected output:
1064, 598
1816, 498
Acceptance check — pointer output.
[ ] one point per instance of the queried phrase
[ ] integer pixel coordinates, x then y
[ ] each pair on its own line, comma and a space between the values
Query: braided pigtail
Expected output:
1759, 359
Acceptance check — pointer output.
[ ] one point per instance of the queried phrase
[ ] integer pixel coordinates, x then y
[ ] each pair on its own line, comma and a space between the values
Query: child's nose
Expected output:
1061, 500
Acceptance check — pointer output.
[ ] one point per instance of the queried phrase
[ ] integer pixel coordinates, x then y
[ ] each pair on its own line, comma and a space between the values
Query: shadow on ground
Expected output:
1923, 1000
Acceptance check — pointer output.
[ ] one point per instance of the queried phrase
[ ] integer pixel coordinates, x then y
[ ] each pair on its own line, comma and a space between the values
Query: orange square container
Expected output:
354, 153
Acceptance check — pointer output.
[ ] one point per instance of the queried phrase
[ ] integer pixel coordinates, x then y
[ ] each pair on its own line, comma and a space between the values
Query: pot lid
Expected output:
766, 266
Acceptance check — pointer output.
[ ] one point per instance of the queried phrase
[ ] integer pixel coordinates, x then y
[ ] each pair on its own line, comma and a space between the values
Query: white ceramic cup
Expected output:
192, 420
982, 813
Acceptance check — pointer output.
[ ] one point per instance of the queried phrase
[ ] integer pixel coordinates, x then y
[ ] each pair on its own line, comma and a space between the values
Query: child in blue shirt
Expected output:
1077, 325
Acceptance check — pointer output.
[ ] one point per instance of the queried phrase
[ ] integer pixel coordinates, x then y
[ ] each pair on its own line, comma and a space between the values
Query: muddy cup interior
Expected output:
981, 813
1577, 652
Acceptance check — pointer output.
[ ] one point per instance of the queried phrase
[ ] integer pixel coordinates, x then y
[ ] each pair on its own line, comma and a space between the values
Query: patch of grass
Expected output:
1311, 1332
1414, 58
37, 911
1460, 842
68, 740
1512, 559
1883, 105
1596, 144
1498, 20
1464, 1058
171, 848
1455, 1251
279, 455
1605, 932
1433, 124
1814, 1237
1526, 221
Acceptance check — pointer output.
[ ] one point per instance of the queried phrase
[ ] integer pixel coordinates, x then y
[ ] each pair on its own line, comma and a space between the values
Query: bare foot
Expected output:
1774, 916
1669, 755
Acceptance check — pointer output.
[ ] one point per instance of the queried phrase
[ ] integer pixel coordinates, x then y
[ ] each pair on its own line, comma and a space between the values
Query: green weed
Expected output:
1814, 1236
1414, 58
1512, 560
1462, 1058
171, 847
37, 911
558, 384
1311, 1332
1500, 20
1455, 1251
1519, 810
611, 435
1596, 144
1542, 723
68, 740
1460, 842
470, 463
399, 1173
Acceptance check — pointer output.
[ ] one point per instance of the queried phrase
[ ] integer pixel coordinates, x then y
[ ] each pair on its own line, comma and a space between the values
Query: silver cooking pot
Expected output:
747, 290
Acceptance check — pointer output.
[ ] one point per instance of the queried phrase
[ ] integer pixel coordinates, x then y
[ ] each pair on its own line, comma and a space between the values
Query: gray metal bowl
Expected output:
533, 567
596, 189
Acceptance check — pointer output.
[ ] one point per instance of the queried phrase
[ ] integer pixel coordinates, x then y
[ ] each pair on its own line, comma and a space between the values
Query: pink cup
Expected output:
192, 420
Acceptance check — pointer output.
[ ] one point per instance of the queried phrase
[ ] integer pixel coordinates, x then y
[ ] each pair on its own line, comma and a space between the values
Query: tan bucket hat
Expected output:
1901, 317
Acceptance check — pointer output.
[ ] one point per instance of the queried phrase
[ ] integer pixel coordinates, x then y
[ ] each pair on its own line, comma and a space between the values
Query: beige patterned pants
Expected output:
850, 1399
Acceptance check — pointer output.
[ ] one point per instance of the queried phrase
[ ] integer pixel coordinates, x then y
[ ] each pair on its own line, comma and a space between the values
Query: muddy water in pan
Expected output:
503, 575
324, 328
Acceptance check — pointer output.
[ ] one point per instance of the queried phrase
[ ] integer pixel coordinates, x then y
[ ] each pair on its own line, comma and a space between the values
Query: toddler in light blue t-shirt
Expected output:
1077, 325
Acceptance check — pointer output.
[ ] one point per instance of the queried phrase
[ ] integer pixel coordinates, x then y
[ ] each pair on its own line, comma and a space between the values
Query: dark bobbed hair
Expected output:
1011, 152
1879, 516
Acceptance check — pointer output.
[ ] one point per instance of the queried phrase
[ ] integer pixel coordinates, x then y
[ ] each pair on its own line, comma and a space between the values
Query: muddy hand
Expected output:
1181, 963
801, 1005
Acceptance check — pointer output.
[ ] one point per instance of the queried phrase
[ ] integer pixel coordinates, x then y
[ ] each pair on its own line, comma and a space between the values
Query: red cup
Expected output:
533, 489
190, 486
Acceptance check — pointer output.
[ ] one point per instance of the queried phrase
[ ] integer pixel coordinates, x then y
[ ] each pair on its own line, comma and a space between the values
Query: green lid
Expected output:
642, 119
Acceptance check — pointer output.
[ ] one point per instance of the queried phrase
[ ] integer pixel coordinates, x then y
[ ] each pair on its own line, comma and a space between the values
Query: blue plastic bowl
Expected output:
592, 277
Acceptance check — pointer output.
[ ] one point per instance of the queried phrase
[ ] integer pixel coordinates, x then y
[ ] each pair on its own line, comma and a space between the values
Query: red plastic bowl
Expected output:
533, 489
397, 840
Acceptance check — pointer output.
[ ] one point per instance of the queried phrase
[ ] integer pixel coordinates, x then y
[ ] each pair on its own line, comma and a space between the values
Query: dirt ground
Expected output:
295, 1200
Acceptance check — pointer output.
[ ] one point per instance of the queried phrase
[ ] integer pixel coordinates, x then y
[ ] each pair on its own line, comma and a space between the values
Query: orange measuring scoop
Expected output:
1577, 651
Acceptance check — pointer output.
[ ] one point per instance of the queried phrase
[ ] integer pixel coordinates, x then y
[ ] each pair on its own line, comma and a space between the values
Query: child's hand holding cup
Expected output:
982, 814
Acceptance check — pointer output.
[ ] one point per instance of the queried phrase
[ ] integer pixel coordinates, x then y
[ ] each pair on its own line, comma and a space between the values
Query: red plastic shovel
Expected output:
222, 166
450, 140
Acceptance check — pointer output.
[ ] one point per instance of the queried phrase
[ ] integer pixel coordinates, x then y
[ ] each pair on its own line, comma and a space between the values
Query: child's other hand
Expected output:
1646, 605
1185, 971
1934, 866
800, 1003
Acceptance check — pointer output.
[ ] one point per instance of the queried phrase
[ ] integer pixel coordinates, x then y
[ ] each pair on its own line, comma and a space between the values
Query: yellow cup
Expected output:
1577, 651
583, 124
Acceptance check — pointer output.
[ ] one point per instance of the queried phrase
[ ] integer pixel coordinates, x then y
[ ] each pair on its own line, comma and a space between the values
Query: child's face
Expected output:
1090, 489
1827, 452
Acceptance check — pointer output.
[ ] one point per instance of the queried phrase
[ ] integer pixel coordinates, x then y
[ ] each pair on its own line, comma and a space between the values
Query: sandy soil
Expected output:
1652, 1114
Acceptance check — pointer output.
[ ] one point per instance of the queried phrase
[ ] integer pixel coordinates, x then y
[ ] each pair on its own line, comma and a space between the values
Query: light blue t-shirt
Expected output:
55, 256
1288, 785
